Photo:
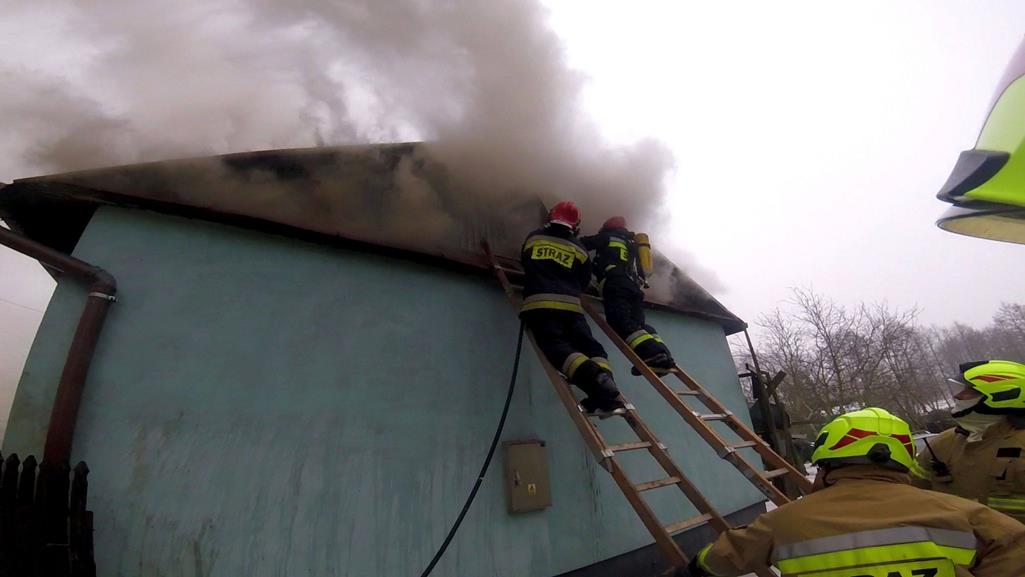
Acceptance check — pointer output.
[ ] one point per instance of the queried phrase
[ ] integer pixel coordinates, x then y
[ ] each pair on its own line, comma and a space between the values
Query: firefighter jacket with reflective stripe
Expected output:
990, 471
556, 269
870, 522
615, 254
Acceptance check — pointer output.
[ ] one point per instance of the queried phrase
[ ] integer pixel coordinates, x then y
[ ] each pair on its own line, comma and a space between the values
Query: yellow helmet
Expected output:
870, 436
1001, 384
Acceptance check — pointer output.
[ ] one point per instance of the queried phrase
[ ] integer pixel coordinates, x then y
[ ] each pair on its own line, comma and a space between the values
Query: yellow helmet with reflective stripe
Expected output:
869, 436
1001, 383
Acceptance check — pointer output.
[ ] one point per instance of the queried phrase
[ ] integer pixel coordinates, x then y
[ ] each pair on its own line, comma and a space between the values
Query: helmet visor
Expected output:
960, 388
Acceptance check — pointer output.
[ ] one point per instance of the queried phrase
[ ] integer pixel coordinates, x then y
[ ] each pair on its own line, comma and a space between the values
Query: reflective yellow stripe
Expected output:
552, 301
930, 568
572, 363
624, 254
602, 362
876, 537
876, 555
610, 267
1006, 503
639, 339
551, 305
552, 297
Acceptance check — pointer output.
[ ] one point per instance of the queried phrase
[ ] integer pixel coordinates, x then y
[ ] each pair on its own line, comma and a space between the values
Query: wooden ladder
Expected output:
699, 421
607, 454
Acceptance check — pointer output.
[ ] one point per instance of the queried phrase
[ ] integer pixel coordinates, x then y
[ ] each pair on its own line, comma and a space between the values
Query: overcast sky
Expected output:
810, 140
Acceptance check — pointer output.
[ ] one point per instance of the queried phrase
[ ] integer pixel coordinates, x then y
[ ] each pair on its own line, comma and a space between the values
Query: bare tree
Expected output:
841, 358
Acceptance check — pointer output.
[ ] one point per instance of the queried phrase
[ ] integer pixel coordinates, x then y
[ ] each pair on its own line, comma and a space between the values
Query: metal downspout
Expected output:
102, 292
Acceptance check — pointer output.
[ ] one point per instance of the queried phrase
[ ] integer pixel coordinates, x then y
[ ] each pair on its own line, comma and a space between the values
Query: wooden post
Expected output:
24, 562
80, 539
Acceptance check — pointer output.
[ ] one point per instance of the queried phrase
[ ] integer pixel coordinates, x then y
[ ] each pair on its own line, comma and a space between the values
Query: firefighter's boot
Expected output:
603, 397
661, 363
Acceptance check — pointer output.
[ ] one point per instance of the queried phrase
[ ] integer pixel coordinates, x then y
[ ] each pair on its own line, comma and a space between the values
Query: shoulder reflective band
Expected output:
555, 243
552, 301
1007, 503
624, 252
637, 337
572, 363
876, 547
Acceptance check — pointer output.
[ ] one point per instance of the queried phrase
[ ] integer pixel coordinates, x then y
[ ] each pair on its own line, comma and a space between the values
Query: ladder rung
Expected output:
775, 473
688, 524
629, 447
715, 416
745, 445
656, 484
690, 393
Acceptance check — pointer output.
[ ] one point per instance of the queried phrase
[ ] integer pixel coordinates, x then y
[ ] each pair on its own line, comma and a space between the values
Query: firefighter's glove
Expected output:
694, 570
941, 472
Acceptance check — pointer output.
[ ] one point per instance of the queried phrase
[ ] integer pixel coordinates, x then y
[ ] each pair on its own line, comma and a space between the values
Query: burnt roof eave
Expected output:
20, 201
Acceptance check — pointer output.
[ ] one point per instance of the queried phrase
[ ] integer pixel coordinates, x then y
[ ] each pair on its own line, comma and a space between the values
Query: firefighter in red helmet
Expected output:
556, 270
620, 278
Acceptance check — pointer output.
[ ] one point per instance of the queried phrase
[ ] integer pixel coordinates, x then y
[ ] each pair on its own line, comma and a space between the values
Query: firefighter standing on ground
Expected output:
983, 458
556, 270
620, 277
866, 520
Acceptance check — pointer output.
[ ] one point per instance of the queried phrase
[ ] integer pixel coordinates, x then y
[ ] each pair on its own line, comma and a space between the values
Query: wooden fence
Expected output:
44, 527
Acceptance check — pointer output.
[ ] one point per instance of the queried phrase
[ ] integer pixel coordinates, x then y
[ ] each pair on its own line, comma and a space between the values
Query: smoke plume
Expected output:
485, 84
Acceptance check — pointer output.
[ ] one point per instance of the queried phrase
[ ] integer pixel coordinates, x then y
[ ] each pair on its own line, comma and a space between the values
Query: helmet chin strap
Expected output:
965, 409
565, 224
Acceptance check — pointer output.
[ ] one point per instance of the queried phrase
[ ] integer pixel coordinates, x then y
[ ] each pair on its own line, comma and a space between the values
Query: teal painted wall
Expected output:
263, 406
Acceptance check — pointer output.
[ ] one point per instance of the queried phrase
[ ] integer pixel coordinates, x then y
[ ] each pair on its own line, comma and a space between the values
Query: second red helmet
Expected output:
614, 222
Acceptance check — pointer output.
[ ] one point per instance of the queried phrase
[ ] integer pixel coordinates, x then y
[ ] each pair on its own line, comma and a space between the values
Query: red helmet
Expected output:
566, 213
614, 222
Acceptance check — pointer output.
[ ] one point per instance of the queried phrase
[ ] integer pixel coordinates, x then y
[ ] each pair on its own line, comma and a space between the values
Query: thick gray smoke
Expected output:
484, 82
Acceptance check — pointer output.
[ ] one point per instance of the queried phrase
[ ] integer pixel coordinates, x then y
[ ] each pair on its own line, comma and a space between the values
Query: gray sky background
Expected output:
810, 140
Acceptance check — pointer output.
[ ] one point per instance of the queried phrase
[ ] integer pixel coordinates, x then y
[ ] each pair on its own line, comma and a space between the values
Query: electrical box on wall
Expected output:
527, 487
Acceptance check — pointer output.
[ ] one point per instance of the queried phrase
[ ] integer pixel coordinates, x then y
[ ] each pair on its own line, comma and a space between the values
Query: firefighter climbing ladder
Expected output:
607, 454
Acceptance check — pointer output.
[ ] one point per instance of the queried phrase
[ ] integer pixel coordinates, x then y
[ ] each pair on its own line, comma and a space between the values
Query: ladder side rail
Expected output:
596, 443
587, 429
599, 447
663, 458
608, 461
693, 494
706, 432
665, 542
745, 432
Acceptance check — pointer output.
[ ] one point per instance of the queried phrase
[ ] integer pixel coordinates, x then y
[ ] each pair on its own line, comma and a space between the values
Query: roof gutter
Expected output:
102, 292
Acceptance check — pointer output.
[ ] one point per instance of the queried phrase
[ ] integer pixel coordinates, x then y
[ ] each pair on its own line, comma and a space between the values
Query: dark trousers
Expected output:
565, 339
624, 310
